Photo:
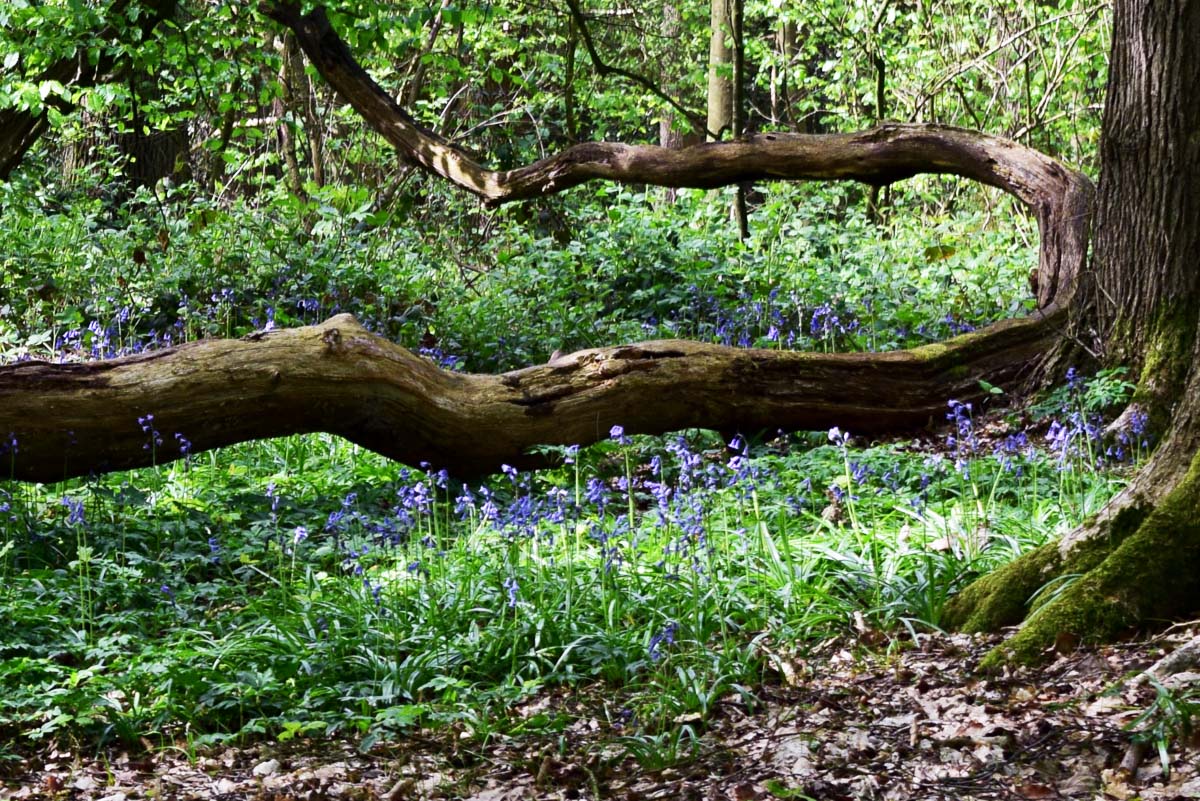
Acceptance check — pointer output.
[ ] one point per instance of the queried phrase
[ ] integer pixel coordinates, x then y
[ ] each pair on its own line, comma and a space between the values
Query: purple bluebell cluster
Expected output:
1133, 438
791, 322
962, 441
745, 319
154, 439
660, 640
1080, 435
75, 513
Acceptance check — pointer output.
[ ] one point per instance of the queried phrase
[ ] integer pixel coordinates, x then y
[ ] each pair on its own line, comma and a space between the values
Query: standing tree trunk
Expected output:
291, 72
737, 117
1139, 559
720, 62
667, 135
781, 95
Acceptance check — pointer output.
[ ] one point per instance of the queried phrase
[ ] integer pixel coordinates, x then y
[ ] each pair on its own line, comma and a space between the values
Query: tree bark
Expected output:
1139, 559
741, 213
74, 419
288, 106
720, 61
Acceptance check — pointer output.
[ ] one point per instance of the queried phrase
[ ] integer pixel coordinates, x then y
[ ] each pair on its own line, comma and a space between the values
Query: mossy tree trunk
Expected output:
1139, 559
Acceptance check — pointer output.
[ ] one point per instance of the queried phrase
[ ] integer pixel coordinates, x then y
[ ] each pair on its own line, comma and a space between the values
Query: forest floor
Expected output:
854, 720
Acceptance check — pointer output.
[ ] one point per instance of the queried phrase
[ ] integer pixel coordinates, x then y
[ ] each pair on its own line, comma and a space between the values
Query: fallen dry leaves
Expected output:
847, 721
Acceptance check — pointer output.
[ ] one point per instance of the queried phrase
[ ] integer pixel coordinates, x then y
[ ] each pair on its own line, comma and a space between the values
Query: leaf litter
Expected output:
854, 718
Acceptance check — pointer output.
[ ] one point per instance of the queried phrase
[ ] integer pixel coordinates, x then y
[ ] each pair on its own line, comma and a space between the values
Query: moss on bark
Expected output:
1153, 573
1166, 360
1002, 598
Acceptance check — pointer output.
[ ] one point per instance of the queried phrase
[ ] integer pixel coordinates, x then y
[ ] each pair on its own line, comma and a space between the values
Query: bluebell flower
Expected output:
75, 511
664, 637
597, 492
512, 587
154, 439
558, 512
838, 437
489, 511
464, 504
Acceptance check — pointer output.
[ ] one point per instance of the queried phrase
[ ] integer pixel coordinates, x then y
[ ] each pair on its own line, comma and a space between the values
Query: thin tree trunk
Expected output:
874, 206
417, 86
288, 108
569, 82
668, 137
720, 62
741, 214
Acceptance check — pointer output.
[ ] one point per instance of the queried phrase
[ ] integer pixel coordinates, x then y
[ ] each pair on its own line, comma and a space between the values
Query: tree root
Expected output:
1139, 567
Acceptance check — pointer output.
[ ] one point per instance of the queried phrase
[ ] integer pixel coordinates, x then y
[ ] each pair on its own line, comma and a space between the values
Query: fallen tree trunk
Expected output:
74, 419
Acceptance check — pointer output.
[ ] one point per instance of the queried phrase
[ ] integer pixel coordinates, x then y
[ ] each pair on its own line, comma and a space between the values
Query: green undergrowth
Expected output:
86, 279
304, 586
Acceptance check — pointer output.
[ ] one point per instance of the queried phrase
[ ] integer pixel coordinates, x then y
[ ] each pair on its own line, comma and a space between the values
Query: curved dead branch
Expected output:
1059, 197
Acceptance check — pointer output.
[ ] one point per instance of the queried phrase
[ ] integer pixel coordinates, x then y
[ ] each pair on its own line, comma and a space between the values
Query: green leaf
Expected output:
51, 87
